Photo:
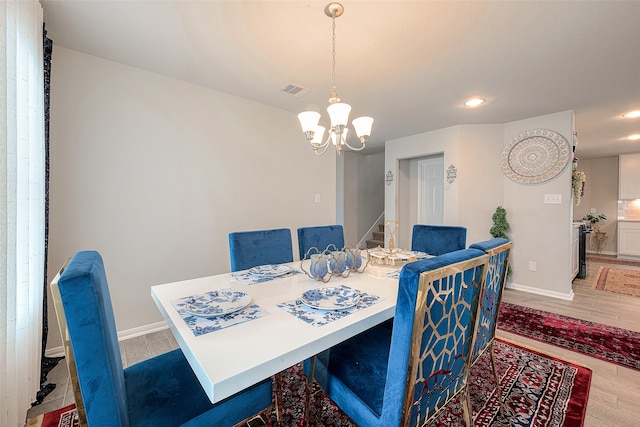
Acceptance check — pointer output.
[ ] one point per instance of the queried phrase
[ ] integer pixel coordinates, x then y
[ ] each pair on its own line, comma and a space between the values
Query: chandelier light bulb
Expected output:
339, 114
362, 126
309, 120
318, 134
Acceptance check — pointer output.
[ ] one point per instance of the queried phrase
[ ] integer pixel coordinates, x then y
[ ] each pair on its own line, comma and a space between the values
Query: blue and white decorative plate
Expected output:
331, 298
420, 255
217, 303
270, 270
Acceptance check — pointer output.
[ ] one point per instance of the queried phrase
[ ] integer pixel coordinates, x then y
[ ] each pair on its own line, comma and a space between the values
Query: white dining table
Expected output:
229, 360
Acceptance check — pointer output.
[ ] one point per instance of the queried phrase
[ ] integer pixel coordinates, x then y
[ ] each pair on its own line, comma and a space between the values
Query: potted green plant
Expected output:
500, 223
594, 220
500, 227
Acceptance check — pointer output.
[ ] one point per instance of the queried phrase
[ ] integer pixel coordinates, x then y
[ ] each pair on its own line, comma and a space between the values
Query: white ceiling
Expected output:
408, 64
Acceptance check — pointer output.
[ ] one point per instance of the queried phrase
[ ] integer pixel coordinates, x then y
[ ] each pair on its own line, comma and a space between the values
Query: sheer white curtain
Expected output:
22, 172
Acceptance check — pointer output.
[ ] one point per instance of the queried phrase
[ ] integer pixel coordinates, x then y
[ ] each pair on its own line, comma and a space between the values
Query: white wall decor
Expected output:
389, 177
535, 156
452, 174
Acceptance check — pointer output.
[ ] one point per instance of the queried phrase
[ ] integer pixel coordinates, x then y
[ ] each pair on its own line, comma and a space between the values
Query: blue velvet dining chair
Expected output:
438, 239
249, 249
498, 250
161, 391
319, 237
405, 374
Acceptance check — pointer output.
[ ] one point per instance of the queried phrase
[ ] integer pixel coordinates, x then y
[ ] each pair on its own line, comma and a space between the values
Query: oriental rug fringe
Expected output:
539, 390
608, 343
618, 280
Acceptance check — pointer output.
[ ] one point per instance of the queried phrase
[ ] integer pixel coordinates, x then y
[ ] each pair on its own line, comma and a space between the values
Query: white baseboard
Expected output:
122, 335
602, 253
629, 257
142, 330
54, 352
538, 291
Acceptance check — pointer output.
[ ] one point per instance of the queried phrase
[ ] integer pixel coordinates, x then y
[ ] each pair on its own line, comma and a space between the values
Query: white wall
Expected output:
540, 233
363, 193
154, 173
473, 196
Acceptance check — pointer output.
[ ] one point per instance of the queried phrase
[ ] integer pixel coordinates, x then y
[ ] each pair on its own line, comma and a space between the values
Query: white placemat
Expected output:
317, 317
203, 325
395, 274
246, 278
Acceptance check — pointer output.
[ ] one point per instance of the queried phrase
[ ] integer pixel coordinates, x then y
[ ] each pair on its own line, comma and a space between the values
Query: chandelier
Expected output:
338, 111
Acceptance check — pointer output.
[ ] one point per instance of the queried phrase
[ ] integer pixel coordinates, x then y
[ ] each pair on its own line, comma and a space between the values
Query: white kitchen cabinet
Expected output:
629, 176
629, 239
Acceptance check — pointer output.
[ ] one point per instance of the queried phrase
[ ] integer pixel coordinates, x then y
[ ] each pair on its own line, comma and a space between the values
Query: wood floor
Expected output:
614, 399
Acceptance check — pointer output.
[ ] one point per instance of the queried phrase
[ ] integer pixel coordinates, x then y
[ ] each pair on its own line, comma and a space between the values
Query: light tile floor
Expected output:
133, 350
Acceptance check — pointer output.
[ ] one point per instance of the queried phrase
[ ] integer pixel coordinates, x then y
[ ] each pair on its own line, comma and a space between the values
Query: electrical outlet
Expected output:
532, 266
317, 197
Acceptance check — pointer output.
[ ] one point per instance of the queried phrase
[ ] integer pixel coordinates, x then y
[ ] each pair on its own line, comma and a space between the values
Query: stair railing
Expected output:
368, 233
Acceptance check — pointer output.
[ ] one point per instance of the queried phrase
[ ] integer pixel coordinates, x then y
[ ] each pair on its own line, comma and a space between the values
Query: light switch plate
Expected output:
553, 199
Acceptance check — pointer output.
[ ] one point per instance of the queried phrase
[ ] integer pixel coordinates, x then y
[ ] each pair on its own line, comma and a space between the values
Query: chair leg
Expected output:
256, 421
277, 391
308, 388
495, 375
465, 402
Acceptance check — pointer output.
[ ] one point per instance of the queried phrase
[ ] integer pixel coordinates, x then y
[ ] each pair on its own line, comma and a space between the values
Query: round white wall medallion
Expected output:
535, 156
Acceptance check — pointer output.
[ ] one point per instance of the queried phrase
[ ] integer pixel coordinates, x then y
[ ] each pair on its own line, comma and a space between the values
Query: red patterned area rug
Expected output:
63, 417
539, 390
614, 345
618, 280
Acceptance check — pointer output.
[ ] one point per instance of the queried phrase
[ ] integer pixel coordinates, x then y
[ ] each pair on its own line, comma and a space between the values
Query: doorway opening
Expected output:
420, 194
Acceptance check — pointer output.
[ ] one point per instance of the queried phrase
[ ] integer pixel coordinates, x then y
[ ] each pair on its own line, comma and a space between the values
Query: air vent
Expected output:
294, 90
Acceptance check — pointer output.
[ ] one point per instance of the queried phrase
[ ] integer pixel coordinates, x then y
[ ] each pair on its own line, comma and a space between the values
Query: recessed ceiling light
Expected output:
634, 137
474, 102
632, 114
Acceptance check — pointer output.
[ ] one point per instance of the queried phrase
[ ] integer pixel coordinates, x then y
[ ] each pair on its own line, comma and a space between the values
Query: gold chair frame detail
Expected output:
415, 377
68, 348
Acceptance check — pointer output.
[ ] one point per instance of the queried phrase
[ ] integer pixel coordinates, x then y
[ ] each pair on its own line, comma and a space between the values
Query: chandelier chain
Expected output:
333, 62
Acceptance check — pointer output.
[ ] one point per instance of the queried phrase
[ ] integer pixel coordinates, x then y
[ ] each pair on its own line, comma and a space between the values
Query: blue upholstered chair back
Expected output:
404, 374
248, 249
498, 250
437, 300
438, 239
160, 391
89, 317
319, 237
